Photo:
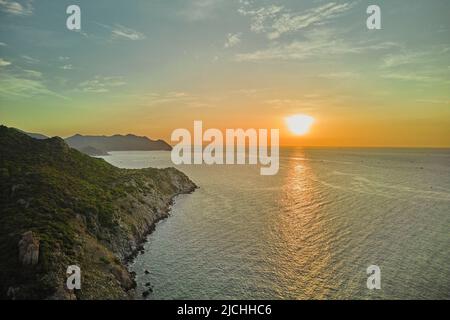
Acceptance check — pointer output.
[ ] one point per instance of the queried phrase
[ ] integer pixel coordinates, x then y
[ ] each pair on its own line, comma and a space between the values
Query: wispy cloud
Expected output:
19, 8
400, 59
101, 84
2, 44
32, 73
407, 76
411, 57
29, 59
197, 10
4, 63
154, 98
277, 20
24, 84
320, 42
176, 99
260, 16
417, 66
121, 32
233, 39
308, 102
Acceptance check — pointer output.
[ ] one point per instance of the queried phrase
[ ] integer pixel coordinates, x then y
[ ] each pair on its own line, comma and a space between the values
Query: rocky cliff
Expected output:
60, 207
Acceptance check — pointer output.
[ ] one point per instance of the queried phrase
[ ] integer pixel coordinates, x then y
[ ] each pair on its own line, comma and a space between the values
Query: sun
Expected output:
299, 124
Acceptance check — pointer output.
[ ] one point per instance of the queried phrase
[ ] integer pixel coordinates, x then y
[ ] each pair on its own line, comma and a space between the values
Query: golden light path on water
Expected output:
303, 252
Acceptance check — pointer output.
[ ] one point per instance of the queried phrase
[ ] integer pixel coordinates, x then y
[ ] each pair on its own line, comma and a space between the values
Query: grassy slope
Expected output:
84, 211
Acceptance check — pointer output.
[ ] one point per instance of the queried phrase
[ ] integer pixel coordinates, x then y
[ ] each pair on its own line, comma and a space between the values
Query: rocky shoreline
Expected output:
137, 246
130, 259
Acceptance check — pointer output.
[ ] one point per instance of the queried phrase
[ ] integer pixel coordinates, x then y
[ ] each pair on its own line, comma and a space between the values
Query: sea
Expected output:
309, 232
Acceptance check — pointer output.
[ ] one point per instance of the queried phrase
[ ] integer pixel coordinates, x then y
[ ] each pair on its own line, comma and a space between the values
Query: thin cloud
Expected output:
317, 43
19, 8
32, 73
405, 58
4, 63
259, 16
29, 59
198, 10
277, 20
167, 97
233, 39
410, 77
121, 32
25, 85
418, 58
424, 63
100, 84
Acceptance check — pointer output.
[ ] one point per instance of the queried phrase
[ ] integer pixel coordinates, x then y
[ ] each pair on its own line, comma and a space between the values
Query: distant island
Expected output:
60, 207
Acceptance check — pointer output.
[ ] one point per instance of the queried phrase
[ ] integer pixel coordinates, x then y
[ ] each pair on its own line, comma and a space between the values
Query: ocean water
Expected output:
309, 232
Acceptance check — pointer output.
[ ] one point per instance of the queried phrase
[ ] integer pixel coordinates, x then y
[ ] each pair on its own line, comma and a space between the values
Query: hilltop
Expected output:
60, 207
34, 135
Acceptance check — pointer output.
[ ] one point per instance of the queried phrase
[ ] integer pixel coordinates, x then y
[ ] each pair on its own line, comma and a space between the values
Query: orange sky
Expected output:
164, 66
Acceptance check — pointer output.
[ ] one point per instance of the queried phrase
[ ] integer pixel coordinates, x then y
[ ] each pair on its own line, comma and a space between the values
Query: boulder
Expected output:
124, 277
12, 292
29, 249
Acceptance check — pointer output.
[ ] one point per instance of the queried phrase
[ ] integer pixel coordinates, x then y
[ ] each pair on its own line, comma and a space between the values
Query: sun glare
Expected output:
299, 124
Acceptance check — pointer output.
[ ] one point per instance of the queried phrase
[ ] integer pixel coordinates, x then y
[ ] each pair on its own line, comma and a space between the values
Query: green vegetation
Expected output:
83, 210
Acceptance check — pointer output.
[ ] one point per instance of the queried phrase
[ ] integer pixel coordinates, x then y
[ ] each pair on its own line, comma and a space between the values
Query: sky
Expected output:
149, 67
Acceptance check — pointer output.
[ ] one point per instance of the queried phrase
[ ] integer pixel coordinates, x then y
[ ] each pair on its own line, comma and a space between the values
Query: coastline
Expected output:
147, 224
144, 211
130, 259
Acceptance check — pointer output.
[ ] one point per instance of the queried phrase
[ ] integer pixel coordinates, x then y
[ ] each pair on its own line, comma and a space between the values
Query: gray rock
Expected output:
23, 203
29, 249
12, 292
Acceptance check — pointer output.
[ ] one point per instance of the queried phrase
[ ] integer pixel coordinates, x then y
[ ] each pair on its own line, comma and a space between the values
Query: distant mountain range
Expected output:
100, 145
117, 143
34, 135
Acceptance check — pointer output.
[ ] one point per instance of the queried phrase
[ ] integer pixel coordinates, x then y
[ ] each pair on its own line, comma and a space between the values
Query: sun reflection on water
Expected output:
303, 253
